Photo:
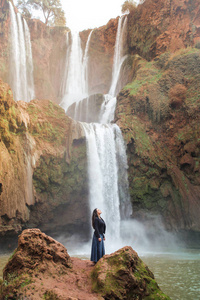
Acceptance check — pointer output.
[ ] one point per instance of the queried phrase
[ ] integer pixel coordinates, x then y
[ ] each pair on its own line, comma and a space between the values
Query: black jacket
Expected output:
99, 227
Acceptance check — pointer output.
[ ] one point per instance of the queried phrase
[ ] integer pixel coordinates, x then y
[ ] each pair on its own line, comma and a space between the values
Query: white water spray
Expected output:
21, 64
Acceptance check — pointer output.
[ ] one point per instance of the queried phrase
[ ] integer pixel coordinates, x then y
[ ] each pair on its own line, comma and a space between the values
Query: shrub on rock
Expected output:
177, 95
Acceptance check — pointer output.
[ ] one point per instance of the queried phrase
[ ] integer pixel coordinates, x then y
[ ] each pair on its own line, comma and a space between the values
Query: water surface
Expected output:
177, 274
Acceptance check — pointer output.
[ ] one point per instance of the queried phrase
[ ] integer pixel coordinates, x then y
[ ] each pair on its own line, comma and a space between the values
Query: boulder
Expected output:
38, 251
123, 275
41, 268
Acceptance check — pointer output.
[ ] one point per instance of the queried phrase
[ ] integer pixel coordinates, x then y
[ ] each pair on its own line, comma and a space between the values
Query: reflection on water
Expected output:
178, 274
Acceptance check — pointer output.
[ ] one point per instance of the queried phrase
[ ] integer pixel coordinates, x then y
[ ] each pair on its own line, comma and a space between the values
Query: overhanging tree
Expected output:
51, 10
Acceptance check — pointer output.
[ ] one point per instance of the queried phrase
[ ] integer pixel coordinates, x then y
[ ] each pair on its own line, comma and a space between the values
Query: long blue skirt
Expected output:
98, 249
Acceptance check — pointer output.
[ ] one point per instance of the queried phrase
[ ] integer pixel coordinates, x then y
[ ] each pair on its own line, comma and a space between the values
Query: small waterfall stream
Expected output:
21, 63
118, 54
108, 106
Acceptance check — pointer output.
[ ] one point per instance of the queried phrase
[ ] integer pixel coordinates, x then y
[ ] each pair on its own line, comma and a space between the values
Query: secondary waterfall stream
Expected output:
106, 151
21, 63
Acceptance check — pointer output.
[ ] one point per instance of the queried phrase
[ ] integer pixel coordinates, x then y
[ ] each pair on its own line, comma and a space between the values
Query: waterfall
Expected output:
76, 86
65, 75
85, 61
106, 150
107, 109
29, 63
21, 63
108, 106
103, 143
118, 54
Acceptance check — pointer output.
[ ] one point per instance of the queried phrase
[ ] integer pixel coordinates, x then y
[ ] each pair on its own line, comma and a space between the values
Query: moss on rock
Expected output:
123, 275
159, 136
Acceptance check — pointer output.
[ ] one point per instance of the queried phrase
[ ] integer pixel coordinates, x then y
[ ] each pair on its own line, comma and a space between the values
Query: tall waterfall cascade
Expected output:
21, 62
75, 85
106, 151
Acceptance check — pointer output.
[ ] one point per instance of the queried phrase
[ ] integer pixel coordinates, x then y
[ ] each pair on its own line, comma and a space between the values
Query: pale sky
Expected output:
84, 14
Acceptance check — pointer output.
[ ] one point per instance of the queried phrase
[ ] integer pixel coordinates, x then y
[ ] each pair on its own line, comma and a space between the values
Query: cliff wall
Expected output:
42, 167
4, 40
49, 52
159, 116
43, 176
155, 27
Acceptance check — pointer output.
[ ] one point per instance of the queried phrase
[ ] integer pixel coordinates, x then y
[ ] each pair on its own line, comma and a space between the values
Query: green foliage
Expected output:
50, 295
197, 45
11, 286
51, 10
129, 5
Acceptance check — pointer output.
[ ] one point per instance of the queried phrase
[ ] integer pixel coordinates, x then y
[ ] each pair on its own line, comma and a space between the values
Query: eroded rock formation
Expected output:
43, 155
159, 115
43, 163
155, 27
41, 268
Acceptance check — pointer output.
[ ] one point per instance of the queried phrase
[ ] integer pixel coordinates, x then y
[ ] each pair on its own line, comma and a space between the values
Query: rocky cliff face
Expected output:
43, 156
159, 115
48, 49
100, 53
155, 27
4, 39
49, 52
43, 163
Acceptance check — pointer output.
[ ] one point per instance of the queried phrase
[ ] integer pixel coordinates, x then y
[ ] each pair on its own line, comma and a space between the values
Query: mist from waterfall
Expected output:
21, 62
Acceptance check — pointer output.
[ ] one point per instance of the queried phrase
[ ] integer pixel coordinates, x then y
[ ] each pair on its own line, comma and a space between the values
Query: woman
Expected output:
98, 237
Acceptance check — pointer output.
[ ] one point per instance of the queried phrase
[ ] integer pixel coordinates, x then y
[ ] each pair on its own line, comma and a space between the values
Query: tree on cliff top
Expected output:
49, 10
129, 6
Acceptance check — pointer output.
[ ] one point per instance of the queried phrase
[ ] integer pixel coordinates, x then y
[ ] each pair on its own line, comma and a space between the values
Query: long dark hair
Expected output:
94, 216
